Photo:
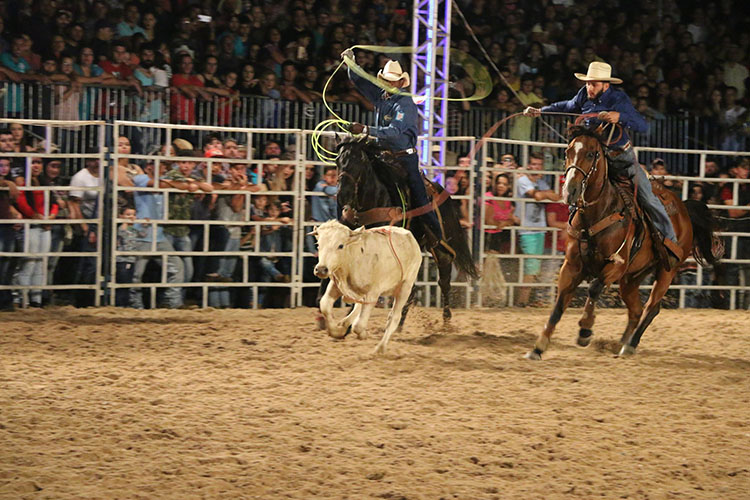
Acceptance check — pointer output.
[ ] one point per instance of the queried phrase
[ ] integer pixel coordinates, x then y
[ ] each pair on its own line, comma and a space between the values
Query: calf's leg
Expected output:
394, 316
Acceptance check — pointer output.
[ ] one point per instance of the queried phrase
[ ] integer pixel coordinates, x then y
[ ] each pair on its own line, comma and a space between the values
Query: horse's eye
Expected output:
590, 154
341, 246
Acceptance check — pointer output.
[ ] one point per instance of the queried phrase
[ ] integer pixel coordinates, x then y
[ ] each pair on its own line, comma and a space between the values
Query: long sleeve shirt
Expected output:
32, 202
611, 100
395, 115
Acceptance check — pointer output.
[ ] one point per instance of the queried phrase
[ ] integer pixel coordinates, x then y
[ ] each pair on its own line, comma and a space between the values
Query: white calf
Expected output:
363, 265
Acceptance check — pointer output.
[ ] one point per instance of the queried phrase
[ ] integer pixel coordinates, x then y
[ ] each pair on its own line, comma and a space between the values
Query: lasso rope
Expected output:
478, 73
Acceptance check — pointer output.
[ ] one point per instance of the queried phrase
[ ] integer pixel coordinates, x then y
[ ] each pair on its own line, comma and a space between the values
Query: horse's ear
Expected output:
337, 139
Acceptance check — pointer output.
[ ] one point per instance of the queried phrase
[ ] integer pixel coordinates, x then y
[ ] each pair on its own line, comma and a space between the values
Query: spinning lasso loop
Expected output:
497, 124
477, 72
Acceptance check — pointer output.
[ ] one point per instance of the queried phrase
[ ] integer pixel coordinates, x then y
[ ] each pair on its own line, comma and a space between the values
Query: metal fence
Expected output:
164, 105
246, 284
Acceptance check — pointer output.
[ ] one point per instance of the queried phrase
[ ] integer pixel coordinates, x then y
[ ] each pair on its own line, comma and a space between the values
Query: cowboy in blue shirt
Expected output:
396, 118
614, 106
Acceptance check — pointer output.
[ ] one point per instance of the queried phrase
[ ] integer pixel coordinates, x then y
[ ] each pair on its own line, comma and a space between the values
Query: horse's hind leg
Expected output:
408, 304
445, 266
653, 305
589, 316
631, 296
569, 279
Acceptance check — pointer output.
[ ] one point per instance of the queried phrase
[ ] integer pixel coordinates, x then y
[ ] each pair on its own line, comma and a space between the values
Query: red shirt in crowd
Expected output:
32, 202
183, 107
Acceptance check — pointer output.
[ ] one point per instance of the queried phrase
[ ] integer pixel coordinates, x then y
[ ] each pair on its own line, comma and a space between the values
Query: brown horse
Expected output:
610, 244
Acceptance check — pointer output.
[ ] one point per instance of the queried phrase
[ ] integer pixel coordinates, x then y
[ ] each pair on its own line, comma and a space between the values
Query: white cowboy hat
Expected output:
393, 73
598, 72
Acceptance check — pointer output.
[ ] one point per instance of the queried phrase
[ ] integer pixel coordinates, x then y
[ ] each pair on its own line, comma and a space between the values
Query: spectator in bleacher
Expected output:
272, 150
289, 86
227, 56
229, 208
74, 39
22, 140
659, 169
102, 41
129, 25
499, 213
8, 194
119, 69
149, 25
186, 88
248, 83
273, 239
51, 177
150, 205
67, 97
125, 264
180, 205
324, 207
83, 203
532, 215
733, 116
267, 85
17, 69
31, 204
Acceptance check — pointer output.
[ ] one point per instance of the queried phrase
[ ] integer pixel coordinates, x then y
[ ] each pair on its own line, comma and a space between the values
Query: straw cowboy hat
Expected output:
393, 73
598, 72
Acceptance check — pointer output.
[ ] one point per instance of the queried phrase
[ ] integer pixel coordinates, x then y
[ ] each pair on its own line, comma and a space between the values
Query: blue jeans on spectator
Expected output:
175, 274
32, 268
57, 235
220, 297
183, 244
86, 268
7, 244
124, 274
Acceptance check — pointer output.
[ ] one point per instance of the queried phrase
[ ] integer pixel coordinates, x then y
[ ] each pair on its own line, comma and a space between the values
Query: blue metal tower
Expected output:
430, 70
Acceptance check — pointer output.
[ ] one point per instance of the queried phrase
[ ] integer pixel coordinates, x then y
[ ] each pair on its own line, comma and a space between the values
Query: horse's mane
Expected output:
384, 164
579, 130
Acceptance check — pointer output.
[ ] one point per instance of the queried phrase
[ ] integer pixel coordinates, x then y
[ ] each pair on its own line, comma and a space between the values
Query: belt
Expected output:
405, 152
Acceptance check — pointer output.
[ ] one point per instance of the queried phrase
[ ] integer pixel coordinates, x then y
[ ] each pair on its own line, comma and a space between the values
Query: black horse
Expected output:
372, 186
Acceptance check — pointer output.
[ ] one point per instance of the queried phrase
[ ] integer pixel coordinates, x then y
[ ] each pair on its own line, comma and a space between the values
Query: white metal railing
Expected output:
298, 255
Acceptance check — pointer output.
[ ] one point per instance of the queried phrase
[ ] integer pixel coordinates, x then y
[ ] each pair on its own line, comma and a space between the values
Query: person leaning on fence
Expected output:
534, 187
8, 194
615, 107
150, 205
83, 203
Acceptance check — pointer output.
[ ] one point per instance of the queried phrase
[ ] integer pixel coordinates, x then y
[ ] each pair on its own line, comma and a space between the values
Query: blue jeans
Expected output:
183, 244
7, 244
419, 193
220, 297
32, 268
628, 164
175, 274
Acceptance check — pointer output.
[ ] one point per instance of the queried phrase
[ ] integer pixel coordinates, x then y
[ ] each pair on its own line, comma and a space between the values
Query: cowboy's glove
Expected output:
348, 53
531, 111
609, 116
356, 128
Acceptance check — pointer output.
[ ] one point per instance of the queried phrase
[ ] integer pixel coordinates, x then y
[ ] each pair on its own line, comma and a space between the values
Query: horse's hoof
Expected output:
447, 314
626, 351
534, 355
584, 337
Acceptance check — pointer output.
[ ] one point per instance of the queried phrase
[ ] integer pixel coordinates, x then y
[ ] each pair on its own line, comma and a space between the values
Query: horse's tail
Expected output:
707, 247
455, 235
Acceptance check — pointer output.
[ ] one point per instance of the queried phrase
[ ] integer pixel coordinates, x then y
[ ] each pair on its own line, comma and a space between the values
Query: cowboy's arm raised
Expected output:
368, 89
570, 106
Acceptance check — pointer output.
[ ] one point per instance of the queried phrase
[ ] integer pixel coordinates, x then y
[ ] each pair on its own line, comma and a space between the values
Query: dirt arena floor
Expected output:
115, 403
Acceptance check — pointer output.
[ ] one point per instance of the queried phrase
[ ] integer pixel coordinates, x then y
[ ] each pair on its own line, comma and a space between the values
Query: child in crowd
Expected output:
126, 237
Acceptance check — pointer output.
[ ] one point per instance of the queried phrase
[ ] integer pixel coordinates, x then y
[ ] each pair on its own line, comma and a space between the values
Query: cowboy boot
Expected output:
674, 254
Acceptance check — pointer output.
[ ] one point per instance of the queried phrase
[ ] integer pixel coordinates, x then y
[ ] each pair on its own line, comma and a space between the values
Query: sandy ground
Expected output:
114, 403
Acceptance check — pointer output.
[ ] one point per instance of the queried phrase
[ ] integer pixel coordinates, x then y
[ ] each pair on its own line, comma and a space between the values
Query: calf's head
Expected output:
334, 245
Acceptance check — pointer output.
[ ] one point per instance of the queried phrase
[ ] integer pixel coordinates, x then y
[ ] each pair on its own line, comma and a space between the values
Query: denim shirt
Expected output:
611, 100
148, 205
396, 115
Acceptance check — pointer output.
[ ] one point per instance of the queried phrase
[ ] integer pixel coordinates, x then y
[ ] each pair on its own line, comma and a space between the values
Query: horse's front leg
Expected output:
570, 277
586, 322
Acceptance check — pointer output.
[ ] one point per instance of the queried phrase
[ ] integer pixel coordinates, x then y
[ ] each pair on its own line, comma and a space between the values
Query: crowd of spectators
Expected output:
674, 57
253, 200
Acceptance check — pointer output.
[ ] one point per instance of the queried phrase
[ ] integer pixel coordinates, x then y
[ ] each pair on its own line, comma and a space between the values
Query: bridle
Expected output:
581, 201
